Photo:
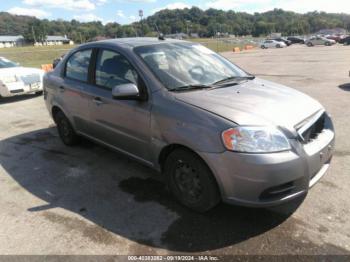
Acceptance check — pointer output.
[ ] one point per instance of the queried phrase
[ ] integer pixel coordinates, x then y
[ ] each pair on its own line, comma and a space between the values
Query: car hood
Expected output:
255, 102
20, 71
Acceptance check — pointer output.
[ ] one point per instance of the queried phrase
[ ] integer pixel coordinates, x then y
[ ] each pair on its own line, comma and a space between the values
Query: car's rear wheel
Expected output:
327, 43
191, 181
278, 46
309, 44
65, 129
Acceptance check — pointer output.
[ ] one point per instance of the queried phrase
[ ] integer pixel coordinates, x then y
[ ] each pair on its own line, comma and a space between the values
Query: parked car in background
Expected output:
214, 131
296, 40
281, 39
345, 40
336, 38
17, 80
272, 44
319, 40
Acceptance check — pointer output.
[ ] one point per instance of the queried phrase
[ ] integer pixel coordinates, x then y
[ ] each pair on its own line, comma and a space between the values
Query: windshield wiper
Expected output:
228, 79
190, 87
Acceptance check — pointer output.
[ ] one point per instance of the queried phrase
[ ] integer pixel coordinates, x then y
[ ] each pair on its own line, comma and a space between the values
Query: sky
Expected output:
127, 11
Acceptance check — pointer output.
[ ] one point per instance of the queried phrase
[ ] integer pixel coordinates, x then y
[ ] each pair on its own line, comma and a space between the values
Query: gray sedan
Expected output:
319, 40
214, 131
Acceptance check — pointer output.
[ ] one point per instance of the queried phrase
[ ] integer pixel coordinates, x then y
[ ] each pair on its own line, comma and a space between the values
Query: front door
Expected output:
123, 124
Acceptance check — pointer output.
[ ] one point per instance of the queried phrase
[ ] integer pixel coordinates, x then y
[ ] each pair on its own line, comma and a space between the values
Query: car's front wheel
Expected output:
39, 93
65, 129
309, 44
191, 181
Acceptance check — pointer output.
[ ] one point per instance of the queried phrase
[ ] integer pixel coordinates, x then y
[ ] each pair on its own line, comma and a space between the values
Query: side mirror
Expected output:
126, 92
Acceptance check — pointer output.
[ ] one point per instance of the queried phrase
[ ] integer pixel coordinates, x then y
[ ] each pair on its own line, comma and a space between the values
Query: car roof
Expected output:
135, 41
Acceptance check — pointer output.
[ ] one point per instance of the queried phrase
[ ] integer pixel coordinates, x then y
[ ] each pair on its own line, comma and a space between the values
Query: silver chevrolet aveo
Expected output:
213, 130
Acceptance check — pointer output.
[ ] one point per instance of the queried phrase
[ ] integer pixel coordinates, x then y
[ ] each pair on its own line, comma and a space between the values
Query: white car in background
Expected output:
17, 80
272, 44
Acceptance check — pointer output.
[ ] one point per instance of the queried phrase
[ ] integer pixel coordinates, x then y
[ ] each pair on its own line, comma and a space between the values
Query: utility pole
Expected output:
188, 22
141, 15
33, 33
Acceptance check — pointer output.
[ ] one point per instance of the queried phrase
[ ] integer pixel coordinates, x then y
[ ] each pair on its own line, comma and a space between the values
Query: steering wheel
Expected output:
197, 72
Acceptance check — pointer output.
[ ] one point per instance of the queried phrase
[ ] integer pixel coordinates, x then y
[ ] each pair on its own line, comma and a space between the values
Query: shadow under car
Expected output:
125, 197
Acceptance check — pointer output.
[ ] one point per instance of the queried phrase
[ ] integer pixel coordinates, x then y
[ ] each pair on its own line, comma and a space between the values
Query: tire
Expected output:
309, 44
327, 44
191, 181
39, 93
65, 130
278, 46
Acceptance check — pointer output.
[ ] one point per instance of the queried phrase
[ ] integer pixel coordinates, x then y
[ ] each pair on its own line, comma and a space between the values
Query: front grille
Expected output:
314, 130
16, 91
30, 79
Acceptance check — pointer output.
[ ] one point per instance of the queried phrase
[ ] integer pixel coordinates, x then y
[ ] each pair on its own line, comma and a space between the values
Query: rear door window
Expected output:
77, 66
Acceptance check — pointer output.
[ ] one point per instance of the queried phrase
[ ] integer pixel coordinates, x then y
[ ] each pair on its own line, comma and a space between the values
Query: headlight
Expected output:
255, 139
8, 79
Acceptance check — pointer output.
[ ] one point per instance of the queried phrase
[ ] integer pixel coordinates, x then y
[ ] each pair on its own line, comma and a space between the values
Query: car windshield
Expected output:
5, 63
179, 65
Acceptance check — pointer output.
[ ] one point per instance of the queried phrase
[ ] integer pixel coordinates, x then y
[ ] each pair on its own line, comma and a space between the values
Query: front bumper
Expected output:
261, 180
19, 88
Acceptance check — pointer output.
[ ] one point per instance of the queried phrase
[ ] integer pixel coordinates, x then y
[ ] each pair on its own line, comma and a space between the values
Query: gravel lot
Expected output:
89, 200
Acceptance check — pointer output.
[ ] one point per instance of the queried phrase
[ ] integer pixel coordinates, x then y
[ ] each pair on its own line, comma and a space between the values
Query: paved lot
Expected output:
89, 200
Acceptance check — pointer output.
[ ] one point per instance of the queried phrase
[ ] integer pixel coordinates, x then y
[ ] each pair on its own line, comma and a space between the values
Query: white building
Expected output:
11, 41
55, 40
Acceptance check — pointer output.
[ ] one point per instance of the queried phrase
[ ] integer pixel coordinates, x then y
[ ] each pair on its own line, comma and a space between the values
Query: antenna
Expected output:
160, 35
157, 28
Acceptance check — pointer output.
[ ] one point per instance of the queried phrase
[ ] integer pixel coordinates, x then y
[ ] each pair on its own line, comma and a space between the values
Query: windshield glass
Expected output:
183, 64
4, 63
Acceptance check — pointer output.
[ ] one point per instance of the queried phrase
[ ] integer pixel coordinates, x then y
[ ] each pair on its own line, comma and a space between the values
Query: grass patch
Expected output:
226, 44
32, 56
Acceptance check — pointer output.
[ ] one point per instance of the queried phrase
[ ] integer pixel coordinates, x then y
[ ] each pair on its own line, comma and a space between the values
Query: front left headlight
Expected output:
8, 79
255, 139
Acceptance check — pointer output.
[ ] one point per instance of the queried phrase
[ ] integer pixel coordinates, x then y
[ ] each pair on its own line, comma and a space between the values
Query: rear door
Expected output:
123, 124
74, 86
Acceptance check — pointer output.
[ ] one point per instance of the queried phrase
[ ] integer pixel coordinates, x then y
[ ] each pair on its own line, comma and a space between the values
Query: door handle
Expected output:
98, 101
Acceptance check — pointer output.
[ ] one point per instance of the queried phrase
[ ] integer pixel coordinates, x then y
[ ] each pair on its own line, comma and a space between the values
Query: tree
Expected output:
205, 23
